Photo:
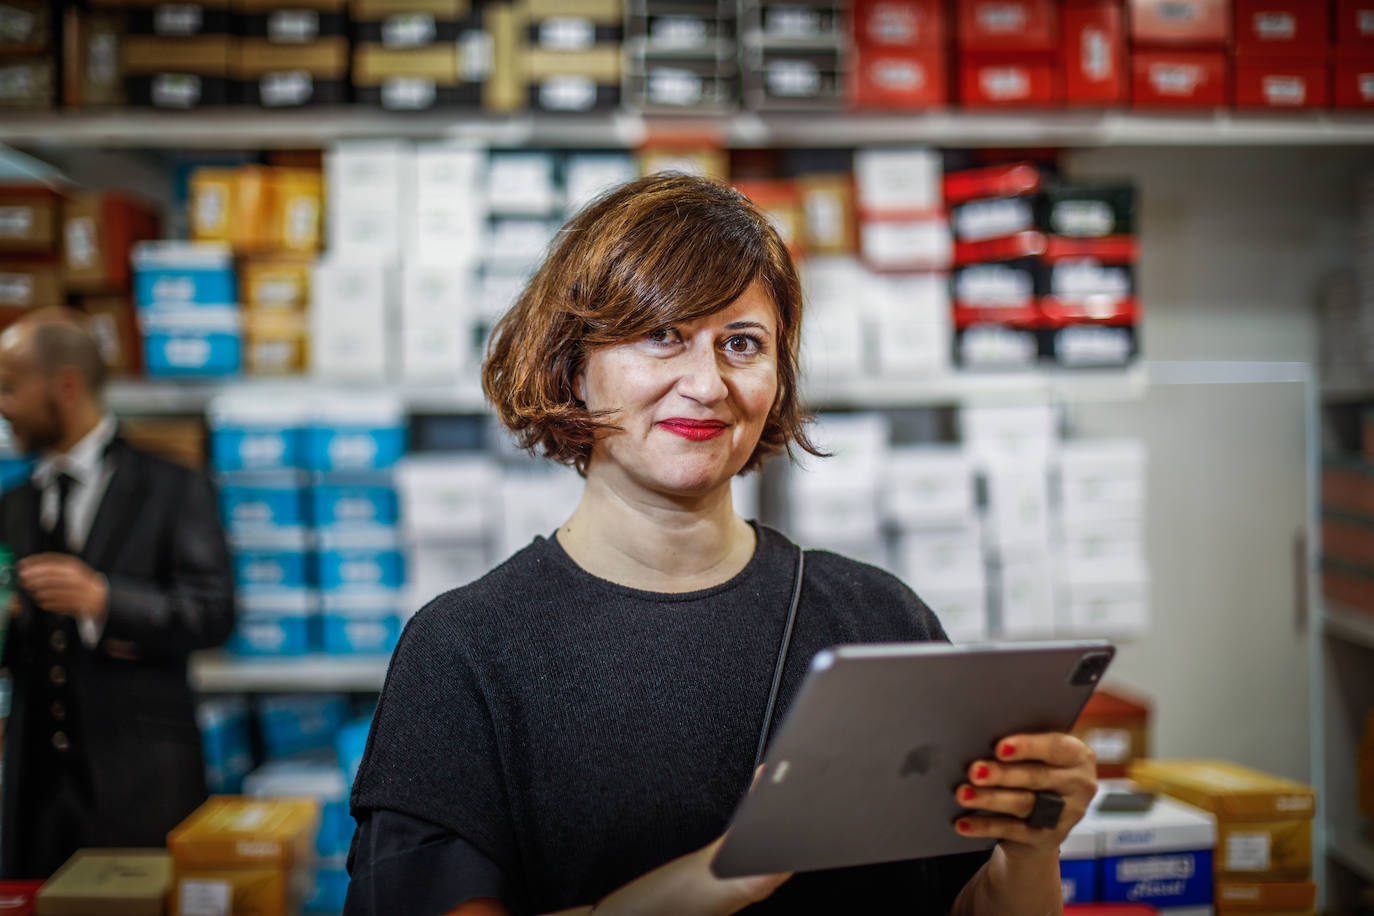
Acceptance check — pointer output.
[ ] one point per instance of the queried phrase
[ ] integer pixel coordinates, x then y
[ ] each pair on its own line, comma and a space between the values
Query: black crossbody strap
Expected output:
782, 661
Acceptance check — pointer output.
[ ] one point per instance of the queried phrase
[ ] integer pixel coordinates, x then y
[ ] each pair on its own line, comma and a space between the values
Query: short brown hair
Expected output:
654, 252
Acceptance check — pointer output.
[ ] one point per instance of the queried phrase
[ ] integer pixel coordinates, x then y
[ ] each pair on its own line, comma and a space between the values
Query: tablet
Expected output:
864, 766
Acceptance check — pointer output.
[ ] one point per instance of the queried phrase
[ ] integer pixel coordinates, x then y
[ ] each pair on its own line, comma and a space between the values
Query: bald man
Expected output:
122, 571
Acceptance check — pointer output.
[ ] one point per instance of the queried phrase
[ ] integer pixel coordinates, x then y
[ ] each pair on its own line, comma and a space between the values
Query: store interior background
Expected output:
1239, 244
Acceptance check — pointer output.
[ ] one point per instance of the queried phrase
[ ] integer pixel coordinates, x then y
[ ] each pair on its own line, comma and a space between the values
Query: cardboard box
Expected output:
275, 283
1162, 857
992, 218
28, 83
1179, 79
1086, 290
573, 25
1014, 26
1283, 83
573, 80
92, 72
1265, 850
1354, 28
290, 75
829, 224
99, 230
1080, 345
411, 78
898, 78
301, 22
1116, 725
275, 343
18, 897
399, 24
177, 440
26, 27
1230, 791
113, 322
27, 285
1277, 28
178, 73
94, 881
781, 202
1101, 480
887, 25
29, 219
995, 346
914, 243
258, 208
899, 182
1094, 53
1087, 212
1010, 81
1353, 83
1192, 23
1248, 896
996, 292
796, 79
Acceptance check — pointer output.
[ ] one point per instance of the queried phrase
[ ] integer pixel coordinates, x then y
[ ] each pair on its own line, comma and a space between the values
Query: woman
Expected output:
574, 729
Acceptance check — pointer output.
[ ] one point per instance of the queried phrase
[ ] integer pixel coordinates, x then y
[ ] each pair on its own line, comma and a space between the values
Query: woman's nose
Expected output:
701, 378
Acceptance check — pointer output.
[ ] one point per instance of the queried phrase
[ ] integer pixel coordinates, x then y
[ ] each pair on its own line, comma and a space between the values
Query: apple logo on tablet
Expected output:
919, 760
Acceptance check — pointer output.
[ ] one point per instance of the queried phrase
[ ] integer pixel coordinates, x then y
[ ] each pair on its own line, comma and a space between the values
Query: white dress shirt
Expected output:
87, 465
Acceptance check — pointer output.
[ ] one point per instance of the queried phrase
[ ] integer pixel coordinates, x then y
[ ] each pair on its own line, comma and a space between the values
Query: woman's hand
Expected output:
1006, 787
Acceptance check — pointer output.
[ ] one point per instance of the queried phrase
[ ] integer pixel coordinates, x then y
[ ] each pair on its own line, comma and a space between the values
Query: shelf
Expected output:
239, 129
218, 672
1350, 625
1346, 845
154, 397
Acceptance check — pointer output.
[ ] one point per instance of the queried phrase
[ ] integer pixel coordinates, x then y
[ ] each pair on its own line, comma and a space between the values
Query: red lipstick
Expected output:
695, 430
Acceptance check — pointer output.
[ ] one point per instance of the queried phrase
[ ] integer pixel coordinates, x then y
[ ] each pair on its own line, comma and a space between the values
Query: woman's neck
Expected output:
650, 542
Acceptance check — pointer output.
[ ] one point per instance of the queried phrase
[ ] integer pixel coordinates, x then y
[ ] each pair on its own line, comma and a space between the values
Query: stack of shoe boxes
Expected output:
1179, 53
29, 46
178, 56
1009, 53
291, 55
30, 243
901, 55
794, 55
681, 56
187, 298
1352, 83
572, 54
412, 55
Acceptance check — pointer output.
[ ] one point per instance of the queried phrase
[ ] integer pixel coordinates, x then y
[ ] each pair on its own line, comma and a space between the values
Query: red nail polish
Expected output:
962, 826
1006, 750
967, 793
981, 772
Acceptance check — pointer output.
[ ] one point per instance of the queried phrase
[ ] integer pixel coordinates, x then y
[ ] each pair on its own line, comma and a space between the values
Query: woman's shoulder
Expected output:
830, 568
492, 600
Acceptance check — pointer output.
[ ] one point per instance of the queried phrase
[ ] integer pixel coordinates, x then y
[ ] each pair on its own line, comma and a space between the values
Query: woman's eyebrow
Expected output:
741, 325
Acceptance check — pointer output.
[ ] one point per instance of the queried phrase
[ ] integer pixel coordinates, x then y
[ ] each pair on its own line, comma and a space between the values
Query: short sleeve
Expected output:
401, 864
432, 752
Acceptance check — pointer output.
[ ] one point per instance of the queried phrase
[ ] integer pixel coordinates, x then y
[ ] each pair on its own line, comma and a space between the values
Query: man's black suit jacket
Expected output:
157, 538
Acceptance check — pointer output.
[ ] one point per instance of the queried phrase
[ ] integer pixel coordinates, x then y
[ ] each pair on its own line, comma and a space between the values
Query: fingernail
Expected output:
1006, 750
981, 772
967, 793
962, 826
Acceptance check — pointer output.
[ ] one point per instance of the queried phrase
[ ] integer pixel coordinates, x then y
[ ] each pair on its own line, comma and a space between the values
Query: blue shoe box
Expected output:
355, 434
274, 622
360, 558
349, 500
1078, 865
205, 343
272, 558
295, 723
360, 622
257, 434
1162, 857
254, 502
224, 732
183, 275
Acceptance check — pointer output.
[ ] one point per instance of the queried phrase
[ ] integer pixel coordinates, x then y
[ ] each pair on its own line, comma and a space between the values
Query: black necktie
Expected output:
57, 537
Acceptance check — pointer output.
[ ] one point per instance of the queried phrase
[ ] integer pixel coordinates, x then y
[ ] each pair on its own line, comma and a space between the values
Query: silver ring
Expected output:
1046, 811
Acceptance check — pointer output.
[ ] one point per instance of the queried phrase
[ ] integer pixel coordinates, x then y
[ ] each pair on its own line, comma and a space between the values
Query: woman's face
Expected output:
691, 399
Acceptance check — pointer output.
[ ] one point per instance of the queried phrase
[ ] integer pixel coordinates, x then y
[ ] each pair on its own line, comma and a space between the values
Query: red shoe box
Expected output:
897, 78
1272, 28
1094, 49
1352, 84
1192, 23
1355, 28
1010, 81
899, 24
17, 898
1014, 26
1179, 79
1013, 180
1282, 82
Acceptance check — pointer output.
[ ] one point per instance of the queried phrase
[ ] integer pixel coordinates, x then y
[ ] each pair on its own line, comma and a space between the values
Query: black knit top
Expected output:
547, 736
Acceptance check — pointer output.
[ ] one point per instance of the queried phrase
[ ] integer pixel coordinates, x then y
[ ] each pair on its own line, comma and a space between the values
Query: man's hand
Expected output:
61, 583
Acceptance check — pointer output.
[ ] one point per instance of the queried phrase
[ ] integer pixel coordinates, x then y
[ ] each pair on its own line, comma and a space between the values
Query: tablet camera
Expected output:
1089, 669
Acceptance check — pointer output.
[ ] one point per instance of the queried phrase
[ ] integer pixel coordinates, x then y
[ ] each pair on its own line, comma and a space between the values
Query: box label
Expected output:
1095, 55
102, 59
1284, 90
792, 22
476, 55
680, 31
176, 90
674, 86
177, 19
16, 25
293, 26
994, 285
1276, 26
205, 898
1247, 851
1179, 12
1004, 83
1111, 745
991, 219
278, 90
16, 289
408, 30
17, 83
1082, 218
567, 93
1175, 79
407, 93
81, 246
1164, 880
16, 222
899, 75
1001, 18
567, 33
1366, 81
1365, 23
892, 23
793, 79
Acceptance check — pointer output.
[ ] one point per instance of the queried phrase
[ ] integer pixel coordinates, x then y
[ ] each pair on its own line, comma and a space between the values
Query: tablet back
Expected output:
864, 766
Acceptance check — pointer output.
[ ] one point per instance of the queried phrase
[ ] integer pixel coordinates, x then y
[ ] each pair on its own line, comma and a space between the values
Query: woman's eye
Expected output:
743, 344
662, 335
